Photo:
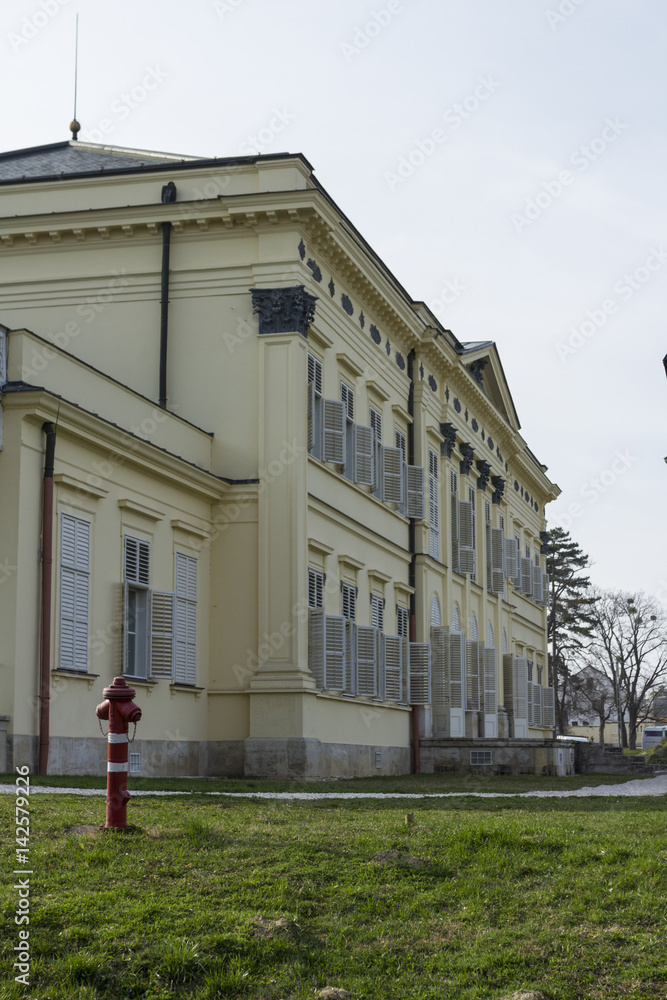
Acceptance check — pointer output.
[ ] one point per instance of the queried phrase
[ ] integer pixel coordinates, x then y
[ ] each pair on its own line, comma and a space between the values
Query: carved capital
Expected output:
545, 538
484, 470
476, 369
284, 310
468, 453
498, 484
448, 431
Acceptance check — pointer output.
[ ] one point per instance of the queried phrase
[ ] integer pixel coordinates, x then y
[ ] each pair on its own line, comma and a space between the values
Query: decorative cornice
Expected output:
72, 483
139, 508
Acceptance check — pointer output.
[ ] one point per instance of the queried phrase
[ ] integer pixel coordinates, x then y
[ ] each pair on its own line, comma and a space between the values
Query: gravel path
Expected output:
646, 786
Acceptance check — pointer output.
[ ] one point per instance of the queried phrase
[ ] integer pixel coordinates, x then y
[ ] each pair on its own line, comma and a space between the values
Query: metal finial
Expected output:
74, 125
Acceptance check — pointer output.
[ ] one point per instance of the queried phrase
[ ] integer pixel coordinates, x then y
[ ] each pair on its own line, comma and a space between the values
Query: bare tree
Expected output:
629, 645
591, 693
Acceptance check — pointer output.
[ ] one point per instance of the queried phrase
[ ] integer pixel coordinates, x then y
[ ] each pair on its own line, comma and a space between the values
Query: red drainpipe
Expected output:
47, 564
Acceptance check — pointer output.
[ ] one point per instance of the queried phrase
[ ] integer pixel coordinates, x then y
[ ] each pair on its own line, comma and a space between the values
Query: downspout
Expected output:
47, 565
412, 547
168, 196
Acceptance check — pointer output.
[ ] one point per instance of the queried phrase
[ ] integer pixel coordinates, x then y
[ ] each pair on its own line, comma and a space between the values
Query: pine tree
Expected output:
569, 618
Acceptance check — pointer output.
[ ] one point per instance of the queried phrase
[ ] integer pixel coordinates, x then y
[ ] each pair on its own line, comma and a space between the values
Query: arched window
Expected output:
436, 617
489, 635
456, 619
505, 650
474, 633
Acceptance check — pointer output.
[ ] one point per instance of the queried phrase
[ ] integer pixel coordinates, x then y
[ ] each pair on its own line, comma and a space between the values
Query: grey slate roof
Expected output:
77, 158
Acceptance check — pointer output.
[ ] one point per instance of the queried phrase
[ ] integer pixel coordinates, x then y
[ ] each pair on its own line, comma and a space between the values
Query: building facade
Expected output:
287, 503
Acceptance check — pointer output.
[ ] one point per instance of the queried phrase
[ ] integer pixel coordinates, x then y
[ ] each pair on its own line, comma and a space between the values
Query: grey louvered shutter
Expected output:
490, 694
537, 705
362, 449
457, 683
529, 703
74, 592
496, 561
510, 559
333, 431
466, 537
474, 674
414, 486
392, 475
536, 583
334, 653
161, 650
185, 643
548, 713
419, 673
137, 561
311, 416
350, 657
367, 661
440, 697
455, 533
520, 706
545, 589
316, 645
393, 667
526, 576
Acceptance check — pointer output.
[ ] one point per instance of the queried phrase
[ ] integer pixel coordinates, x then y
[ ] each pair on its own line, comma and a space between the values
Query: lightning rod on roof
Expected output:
74, 124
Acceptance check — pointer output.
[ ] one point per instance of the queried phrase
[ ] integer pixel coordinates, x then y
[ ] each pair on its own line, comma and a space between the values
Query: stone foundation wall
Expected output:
508, 756
591, 758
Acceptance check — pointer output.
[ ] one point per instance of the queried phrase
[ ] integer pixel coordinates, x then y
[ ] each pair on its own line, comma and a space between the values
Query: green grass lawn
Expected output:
562, 895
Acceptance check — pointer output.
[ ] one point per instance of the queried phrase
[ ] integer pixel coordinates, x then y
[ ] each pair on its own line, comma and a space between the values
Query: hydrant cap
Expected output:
120, 690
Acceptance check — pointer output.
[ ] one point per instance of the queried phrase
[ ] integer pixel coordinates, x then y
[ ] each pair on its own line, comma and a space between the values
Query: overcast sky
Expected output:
505, 159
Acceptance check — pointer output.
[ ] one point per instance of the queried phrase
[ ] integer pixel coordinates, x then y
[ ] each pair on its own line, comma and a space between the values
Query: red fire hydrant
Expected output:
120, 710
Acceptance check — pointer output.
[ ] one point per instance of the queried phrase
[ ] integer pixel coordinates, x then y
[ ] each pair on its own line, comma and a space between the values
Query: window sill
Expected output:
147, 681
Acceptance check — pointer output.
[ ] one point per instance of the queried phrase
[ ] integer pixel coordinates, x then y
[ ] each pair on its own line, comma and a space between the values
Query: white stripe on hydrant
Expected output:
116, 767
118, 738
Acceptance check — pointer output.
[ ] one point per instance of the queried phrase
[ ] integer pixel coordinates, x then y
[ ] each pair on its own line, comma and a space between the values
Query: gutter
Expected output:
413, 558
47, 583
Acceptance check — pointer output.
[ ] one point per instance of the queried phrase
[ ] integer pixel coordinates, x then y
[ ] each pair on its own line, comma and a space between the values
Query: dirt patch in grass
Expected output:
263, 927
398, 858
527, 995
82, 829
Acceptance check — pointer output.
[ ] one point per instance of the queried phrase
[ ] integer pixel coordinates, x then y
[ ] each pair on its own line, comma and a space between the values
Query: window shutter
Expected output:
185, 644
392, 667
316, 645
457, 683
495, 560
400, 443
466, 537
347, 398
392, 475
362, 470
548, 713
350, 657
537, 705
333, 431
349, 601
490, 694
415, 489
474, 672
419, 673
334, 653
530, 709
315, 373
137, 561
545, 588
440, 694
433, 505
74, 592
311, 415
526, 576
436, 616
315, 589
510, 559
537, 589
377, 611
161, 649
520, 687
454, 503
367, 650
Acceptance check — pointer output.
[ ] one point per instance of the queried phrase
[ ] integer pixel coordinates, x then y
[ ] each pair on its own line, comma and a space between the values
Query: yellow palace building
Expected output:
242, 467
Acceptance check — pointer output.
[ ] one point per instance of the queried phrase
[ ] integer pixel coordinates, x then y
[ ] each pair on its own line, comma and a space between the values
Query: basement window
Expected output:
481, 757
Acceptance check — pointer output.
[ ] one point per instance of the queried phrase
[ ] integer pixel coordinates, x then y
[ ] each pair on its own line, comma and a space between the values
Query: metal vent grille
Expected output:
481, 757
135, 763
378, 758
